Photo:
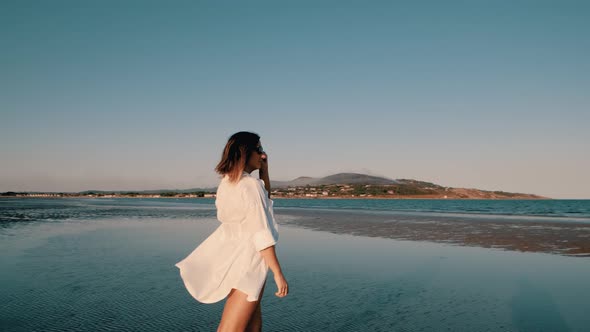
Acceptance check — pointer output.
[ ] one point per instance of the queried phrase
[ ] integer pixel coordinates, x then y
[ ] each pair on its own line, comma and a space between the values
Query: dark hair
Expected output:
236, 153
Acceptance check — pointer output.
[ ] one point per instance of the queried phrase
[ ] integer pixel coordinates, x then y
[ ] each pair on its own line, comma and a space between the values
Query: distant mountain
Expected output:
377, 187
401, 188
300, 181
340, 178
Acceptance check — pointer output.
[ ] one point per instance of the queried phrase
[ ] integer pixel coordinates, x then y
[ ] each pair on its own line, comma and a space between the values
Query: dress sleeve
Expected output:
259, 221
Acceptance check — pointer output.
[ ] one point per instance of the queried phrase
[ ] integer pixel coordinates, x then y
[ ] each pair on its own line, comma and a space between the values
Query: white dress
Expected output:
229, 257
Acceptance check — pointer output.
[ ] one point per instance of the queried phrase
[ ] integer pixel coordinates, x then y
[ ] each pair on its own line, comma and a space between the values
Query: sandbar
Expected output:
525, 234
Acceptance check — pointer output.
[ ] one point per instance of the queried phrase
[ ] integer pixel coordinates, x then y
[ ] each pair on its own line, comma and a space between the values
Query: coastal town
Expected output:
325, 191
109, 195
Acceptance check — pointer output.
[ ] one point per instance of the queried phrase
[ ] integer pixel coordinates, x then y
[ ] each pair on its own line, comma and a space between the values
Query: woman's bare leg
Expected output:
255, 323
237, 312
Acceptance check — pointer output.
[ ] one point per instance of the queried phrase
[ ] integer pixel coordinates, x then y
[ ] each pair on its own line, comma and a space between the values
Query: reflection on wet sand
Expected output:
525, 234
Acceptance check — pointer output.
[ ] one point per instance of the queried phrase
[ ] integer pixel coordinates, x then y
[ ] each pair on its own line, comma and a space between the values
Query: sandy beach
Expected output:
517, 233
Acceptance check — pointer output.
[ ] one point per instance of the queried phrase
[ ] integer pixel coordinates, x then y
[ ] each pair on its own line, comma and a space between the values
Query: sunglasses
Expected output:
259, 149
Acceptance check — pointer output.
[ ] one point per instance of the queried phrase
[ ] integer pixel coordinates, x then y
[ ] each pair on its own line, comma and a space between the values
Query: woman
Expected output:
234, 260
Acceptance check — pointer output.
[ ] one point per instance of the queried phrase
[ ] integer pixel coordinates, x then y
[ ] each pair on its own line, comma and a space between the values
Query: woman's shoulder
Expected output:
251, 187
249, 183
246, 182
246, 186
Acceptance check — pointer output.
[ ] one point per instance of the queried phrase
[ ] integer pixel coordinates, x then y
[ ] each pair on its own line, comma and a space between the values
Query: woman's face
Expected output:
255, 160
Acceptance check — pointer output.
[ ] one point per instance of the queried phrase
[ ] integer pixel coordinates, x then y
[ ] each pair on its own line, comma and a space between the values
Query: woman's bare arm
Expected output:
264, 177
270, 257
268, 254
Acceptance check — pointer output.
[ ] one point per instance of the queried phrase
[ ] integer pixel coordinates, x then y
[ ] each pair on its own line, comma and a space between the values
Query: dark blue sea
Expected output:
108, 265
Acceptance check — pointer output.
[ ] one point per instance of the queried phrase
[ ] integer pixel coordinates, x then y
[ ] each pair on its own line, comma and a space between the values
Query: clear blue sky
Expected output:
131, 95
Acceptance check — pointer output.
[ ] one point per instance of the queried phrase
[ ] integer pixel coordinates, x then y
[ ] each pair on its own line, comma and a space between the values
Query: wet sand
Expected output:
524, 234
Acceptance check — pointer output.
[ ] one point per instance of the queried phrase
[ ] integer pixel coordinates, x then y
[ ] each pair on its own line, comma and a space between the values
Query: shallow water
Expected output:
562, 208
117, 273
28, 209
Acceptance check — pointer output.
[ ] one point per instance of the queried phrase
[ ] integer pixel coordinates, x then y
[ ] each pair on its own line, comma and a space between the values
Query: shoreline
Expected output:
318, 198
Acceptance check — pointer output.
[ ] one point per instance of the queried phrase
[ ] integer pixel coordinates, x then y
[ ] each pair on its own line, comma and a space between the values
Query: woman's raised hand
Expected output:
264, 163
